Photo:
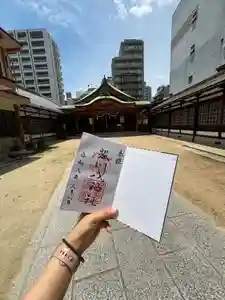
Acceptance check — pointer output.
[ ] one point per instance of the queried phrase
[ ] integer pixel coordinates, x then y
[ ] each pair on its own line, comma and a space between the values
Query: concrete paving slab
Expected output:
194, 276
172, 239
203, 234
100, 257
178, 206
105, 286
144, 275
116, 225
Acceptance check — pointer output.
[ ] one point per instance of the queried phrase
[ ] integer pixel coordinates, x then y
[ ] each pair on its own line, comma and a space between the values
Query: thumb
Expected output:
104, 214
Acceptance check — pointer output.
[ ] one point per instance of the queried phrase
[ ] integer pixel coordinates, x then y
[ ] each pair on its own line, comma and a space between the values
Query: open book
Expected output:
137, 182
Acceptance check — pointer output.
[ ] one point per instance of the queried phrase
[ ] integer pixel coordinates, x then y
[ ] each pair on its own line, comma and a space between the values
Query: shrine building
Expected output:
106, 109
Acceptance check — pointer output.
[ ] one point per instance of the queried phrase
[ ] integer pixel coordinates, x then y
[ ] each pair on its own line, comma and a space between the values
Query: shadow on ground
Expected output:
14, 164
113, 134
11, 164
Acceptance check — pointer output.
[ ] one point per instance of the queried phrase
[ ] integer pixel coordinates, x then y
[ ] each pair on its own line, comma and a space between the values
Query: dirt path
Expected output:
26, 190
24, 195
199, 179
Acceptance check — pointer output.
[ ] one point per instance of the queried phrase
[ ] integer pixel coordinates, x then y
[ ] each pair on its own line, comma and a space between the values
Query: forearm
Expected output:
56, 277
52, 284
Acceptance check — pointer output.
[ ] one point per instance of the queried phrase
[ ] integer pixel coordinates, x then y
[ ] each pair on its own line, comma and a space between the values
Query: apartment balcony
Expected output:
18, 78
43, 82
128, 71
129, 66
25, 63
39, 54
37, 44
41, 62
42, 75
28, 77
25, 54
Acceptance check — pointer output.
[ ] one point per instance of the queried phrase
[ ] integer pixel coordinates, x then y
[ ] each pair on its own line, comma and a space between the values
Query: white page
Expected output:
143, 190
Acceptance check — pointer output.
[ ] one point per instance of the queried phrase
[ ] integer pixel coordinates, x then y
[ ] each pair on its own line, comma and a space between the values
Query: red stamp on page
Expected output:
92, 191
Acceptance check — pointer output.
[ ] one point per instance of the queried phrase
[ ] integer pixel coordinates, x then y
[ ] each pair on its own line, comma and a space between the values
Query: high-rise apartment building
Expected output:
37, 67
128, 68
198, 42
147, 92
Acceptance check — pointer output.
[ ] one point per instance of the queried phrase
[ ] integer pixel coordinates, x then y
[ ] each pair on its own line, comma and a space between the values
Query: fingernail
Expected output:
113, 210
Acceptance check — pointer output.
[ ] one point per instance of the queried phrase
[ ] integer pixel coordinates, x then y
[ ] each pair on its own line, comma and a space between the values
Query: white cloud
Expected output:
140, 11
139, 8
59, 12
121, 9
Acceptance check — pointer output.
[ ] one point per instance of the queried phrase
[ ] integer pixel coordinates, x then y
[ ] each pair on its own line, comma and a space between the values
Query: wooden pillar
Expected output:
93, 124
19, 125
180, 112
222, 107
170, 121
77, 124
196, 116
150, 120
137, 118
106, 122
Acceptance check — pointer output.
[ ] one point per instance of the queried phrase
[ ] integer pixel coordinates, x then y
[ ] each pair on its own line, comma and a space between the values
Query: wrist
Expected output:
76, 243
66, 258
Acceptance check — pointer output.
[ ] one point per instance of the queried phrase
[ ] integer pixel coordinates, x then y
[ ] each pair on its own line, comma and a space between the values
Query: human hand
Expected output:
88, 227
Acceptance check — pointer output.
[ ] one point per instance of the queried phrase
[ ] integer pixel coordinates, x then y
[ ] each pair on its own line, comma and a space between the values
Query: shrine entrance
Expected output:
107, 123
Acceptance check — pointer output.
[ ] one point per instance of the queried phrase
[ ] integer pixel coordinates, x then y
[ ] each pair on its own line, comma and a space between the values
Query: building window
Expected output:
21, 34
25, 59
194, 19
15, 67
48, 95
44, 89
28, 74
190, 79
41, 67
27, 67
192, 53
38, 51
14, 60
40, 58
36, 34
25, 52
43, 81
37, 43
203, 114
17, 73
23, 43
42, 74
32, 88
29, 82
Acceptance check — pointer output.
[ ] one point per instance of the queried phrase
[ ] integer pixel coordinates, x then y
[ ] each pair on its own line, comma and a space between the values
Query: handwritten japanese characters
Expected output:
72, 186
94, 174
120, 157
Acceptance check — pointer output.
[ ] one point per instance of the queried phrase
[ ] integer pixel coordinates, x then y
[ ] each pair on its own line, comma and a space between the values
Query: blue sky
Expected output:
89, 32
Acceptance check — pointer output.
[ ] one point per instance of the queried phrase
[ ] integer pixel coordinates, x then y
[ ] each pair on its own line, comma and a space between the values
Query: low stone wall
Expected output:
5, 146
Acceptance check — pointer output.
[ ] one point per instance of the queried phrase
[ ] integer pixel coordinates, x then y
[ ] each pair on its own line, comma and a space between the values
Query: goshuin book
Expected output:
137, 182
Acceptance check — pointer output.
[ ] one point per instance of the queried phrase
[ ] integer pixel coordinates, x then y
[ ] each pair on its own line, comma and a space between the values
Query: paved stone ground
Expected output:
189, 263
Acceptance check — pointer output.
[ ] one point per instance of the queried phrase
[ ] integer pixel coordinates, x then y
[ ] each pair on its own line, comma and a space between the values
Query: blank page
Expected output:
143, 190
